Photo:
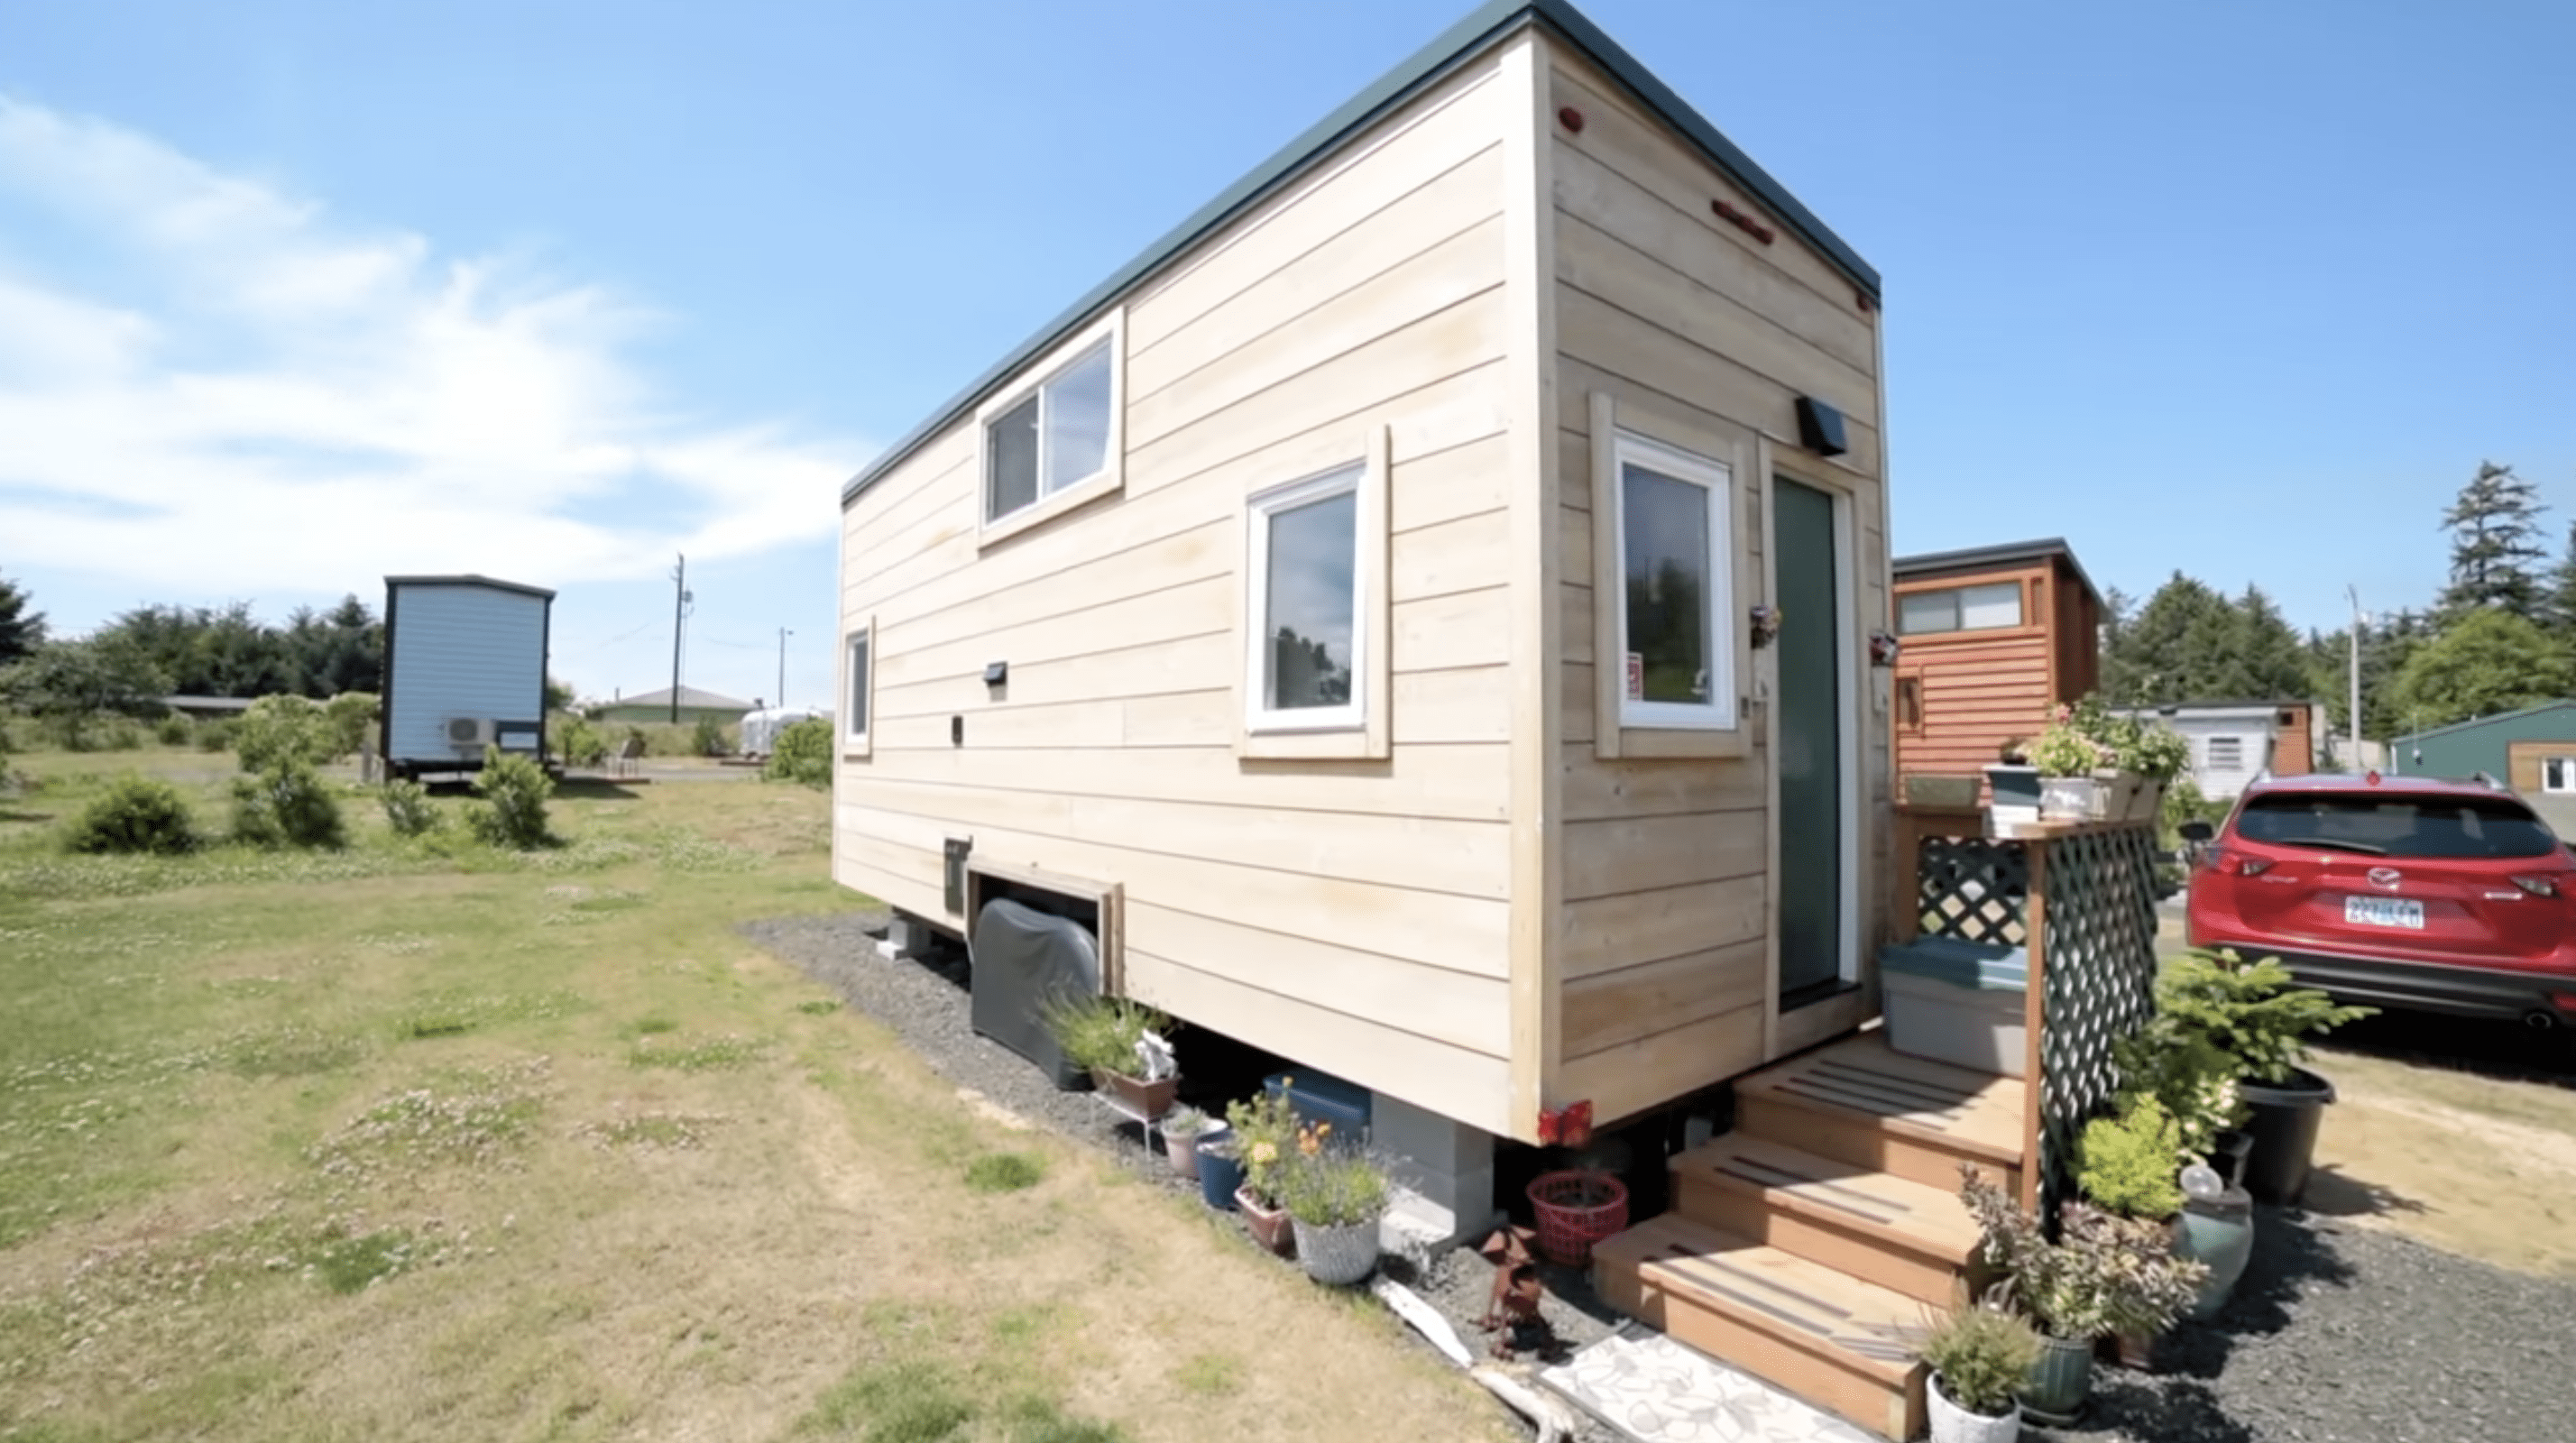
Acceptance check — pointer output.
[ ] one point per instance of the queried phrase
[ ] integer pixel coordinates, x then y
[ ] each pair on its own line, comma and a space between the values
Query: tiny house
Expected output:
1429, 600
465, 668
1994, 639
2233, 742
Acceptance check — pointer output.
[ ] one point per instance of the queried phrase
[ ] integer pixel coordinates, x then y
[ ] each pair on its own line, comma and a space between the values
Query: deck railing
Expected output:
2082, 898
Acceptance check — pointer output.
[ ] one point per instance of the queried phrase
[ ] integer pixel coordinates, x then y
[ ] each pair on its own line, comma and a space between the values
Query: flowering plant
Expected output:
1330, 1187
1265, 1134
2103, 1274
2085, 737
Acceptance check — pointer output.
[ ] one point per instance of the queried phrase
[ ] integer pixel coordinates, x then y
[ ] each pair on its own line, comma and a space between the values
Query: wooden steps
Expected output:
1810, 1245
1832, 1339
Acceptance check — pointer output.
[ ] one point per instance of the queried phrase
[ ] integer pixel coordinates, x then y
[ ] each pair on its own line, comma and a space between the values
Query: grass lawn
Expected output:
440, 1143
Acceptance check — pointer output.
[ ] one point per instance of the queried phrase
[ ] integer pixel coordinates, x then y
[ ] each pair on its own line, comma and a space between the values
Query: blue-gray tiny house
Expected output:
465, 668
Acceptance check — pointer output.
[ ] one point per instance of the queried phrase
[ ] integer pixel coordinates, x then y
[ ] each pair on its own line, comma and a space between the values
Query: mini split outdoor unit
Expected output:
469, 731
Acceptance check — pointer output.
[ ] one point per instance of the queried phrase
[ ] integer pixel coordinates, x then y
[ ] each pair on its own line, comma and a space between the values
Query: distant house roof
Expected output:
207, 703
690, 696
2226, 704
2481, 721
1488, 24
470, 579
1988, 558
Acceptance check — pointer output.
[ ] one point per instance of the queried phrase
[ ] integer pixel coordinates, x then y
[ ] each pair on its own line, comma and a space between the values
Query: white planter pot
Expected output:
1954, 1424
1338, 1256
2070, 799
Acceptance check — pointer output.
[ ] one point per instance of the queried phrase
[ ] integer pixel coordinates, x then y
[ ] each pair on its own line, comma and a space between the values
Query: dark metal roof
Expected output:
1470, 37
2481, 721
469, 579
1981, 558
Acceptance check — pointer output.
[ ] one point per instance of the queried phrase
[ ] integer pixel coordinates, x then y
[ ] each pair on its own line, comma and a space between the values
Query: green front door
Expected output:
1807, 741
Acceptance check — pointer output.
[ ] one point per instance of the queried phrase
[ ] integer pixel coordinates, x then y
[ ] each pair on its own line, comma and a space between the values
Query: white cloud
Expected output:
213, 383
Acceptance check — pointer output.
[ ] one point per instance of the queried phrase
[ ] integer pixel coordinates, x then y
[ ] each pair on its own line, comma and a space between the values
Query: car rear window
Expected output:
2397, 826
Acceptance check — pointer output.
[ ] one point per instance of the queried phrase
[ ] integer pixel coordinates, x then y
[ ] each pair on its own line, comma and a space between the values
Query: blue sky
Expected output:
295, 294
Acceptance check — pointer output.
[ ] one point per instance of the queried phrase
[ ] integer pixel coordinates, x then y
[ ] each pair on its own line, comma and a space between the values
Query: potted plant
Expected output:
2193, 1084
1979, 1357
1265, 1137
1182, 1129
2067, 755
2095, 766
1220, 1166
1335, 1196
2130, 1166
1121, 1042
2102, 1274
2251, 1015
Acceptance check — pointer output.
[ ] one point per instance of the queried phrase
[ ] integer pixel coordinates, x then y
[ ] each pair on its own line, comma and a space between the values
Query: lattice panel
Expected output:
1973, 888
2100, 978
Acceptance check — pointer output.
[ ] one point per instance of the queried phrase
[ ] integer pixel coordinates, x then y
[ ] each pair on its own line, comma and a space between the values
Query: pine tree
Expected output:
2560, 613
21, 631
2495, 545
2268, 663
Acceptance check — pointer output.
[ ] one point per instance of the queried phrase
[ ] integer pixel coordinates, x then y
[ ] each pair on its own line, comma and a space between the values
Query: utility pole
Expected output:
2353, 637
783, 634
679, 619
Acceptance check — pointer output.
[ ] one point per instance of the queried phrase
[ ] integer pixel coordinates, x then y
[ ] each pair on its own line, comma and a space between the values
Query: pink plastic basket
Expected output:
1575, 1210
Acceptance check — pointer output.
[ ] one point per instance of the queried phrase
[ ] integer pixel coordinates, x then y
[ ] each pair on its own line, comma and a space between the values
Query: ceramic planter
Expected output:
2016, 792
2060, 1381
2220, 1232
2284, 1132
1182, 1151
2070, 799
1220, 1171
1954, 1424
2129, 797
1148, 1100
1338, 1256
1270, 1226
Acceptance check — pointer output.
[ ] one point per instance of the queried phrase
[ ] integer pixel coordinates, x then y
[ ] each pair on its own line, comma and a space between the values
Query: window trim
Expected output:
2567, 768
859, 701
1358, 730
2022, 603
1110, 478
1702, 453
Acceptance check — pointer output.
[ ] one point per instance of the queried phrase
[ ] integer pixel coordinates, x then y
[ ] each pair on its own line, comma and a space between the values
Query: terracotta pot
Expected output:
1271, 1227
1151, 1099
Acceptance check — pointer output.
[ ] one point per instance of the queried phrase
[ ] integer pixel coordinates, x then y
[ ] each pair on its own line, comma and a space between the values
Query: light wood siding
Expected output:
1352, 915
2294, 749
1662, 947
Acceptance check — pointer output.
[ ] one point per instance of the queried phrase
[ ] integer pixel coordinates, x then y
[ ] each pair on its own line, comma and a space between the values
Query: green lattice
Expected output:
1973, 888
2100, 974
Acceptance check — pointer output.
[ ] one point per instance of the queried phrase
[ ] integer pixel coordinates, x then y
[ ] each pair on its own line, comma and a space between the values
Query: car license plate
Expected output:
2384, 912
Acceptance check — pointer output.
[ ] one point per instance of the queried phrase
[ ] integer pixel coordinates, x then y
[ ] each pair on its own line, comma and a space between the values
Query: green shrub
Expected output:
287, 805
135, 814
2132, 1164
580, 743
2248, 1011
408, 809
282, 728
513, 789
214, 734
1101, 1033
347, 719
709, 738
173, 731
1983, 1356
1330, 1187
802, 753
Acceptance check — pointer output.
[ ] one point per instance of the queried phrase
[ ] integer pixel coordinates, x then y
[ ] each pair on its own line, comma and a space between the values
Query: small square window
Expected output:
2558, 774
1055, 439
1989, 607
1676, 587
855, 719
1307, 665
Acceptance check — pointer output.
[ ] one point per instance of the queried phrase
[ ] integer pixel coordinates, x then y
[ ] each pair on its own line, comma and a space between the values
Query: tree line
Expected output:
2500, 635
155, 651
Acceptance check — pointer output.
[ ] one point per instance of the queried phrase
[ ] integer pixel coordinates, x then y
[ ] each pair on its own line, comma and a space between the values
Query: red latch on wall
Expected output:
1567, 1126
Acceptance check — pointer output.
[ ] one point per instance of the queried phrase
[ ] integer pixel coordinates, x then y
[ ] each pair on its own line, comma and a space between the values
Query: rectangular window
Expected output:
1308, 655
1909, 702
855, 724
1993, 606
1054, 438
1676, 587
2558, 774
2227, 754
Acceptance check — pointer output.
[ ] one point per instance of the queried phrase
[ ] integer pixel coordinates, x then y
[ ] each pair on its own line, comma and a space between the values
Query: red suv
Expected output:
2446, 896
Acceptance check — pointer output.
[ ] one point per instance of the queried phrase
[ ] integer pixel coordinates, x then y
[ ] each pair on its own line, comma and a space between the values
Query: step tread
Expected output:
1925, 1219
1868, 1329
1976, 1113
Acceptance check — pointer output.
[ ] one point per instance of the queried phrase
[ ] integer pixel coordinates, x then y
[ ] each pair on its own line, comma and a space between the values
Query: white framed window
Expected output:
1993, 606
1051, 441
858, 687
1675, 586
1306, 664
2558, 774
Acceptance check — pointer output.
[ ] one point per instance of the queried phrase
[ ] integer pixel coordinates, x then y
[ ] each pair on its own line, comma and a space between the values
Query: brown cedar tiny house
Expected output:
1993, 639
1354, 597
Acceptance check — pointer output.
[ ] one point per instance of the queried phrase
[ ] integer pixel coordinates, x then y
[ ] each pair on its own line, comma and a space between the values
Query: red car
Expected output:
2444, 896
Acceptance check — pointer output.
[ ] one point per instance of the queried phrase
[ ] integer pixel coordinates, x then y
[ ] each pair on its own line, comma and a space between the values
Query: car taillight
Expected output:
2238, 864
2543, 886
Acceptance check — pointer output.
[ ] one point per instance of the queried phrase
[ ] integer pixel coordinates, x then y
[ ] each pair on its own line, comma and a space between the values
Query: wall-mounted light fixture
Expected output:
1820, 427
997, 673
1883, 647
1765, 620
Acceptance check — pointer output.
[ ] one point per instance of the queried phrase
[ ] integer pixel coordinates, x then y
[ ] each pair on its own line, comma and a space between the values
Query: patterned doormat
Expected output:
1655, 1390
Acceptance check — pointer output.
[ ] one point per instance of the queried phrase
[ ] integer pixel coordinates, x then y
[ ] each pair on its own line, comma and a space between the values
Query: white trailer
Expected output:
465, 668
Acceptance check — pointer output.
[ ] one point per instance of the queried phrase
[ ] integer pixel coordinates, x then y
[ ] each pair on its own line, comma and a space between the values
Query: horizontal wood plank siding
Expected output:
1663, 945
1352, 915
1980, 689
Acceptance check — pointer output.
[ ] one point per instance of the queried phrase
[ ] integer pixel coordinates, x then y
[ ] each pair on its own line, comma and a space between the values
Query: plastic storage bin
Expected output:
1319, 1097
1956, 1002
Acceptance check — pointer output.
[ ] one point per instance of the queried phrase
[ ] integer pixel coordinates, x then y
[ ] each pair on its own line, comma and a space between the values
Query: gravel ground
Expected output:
2336, 1335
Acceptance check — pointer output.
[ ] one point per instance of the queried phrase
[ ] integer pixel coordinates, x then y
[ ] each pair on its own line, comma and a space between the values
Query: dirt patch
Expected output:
2470, 1164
